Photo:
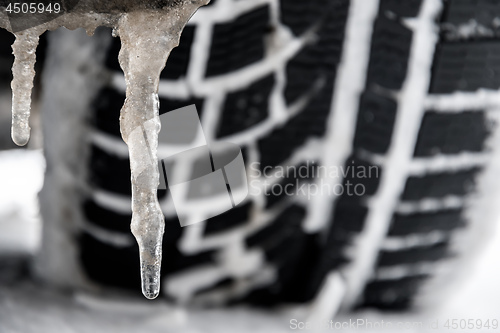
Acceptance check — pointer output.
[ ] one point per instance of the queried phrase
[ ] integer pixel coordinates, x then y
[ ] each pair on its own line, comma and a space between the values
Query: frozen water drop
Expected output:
150, 277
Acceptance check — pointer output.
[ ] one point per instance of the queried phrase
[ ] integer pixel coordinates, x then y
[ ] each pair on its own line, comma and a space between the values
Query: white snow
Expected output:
21, 177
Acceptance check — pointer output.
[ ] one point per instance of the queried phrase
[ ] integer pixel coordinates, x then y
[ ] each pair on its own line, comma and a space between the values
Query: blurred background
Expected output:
407, 88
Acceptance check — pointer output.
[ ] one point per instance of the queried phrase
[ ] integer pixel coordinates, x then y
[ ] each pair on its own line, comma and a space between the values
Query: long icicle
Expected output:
147, 39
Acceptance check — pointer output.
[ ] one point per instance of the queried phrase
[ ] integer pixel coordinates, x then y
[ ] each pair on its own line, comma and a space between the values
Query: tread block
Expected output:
277, 146
289, 181
6, 57
483, 12
283, 242
295, 255
287, 248
422, 223
238, 43
302, 72
296, 286
361, 177
390, 49
283, 141
111, 173
228, 220
324, 256
246, 108
439, 185
432, 253
452, 133
287, 223
170, 104
405, 8
107, 105
300, 16
5, 47
317, 60
289, 257
105, 218
392, 294
375, 124
324, 56
466, 66
109, 101
117, 222
349, 215
109, 265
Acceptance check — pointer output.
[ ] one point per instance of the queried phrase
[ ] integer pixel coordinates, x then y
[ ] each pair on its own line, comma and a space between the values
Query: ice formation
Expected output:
24, 49
148, 30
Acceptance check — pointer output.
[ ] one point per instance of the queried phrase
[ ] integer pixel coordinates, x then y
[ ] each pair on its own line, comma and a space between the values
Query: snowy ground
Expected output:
26, 307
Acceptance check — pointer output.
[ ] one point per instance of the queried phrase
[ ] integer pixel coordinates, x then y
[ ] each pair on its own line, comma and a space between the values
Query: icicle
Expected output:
147, 38
148, 34
23, 71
